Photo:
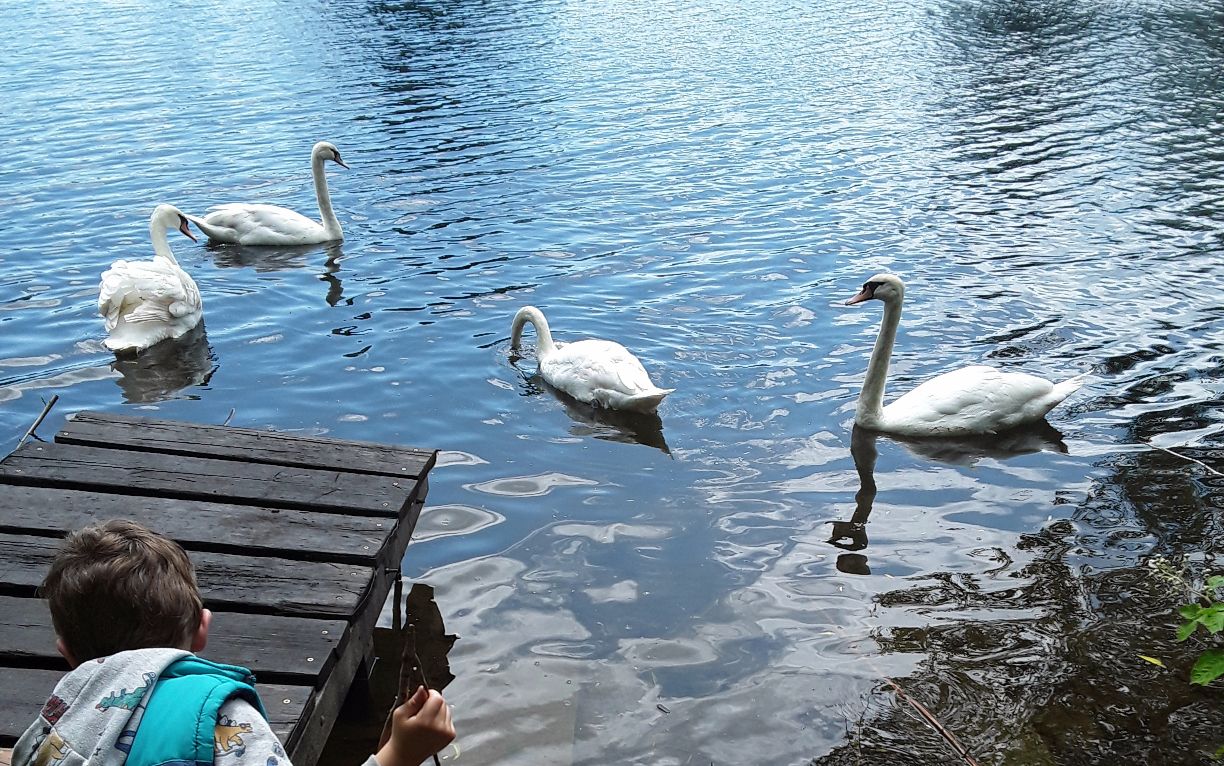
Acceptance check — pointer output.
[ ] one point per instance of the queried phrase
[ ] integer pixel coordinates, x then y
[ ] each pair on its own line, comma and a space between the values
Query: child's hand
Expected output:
419, 728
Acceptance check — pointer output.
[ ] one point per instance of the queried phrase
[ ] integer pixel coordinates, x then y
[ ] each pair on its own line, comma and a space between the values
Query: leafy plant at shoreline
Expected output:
1206, 609
1208, 613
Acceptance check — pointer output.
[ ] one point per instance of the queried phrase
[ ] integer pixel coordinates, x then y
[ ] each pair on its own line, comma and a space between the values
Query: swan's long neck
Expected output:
161, 244
532, 315
330, 223
871, 398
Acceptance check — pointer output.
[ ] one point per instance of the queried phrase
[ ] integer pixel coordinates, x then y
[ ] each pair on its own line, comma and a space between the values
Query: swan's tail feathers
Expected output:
646, 402
1067, 387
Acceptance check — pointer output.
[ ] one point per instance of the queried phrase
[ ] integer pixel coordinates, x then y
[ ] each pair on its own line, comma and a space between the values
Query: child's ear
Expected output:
200, 639
62, 648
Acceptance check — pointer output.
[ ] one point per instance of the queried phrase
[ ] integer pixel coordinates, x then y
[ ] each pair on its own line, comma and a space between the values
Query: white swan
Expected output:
144, 302
971, 400
253, 224
594, 371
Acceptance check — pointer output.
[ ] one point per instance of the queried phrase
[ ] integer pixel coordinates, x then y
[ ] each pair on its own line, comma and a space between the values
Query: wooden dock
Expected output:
296, 543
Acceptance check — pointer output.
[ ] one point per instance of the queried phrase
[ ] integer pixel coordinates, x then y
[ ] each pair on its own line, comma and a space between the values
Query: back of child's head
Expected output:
118, 585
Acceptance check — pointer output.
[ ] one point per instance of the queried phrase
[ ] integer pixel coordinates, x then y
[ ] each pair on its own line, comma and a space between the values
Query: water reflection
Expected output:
612, 425
851, 535
335, 288
601, 422
270, 259
161, 371
264, 259
967, 450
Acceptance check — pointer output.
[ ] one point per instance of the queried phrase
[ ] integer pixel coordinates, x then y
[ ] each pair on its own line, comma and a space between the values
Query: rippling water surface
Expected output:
705, 182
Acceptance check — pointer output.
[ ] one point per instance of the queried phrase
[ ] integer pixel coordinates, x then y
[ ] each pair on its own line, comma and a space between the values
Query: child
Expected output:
128, 617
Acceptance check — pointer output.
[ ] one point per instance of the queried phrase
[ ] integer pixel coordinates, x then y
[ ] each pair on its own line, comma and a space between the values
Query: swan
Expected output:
600, 372
253, 224
971, 400
144, 302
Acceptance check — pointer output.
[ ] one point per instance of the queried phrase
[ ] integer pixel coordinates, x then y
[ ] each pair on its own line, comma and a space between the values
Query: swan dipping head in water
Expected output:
599, 372
971, 400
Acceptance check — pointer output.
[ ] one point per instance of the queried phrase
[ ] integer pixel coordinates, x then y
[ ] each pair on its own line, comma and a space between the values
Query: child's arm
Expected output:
243, 738
419, 728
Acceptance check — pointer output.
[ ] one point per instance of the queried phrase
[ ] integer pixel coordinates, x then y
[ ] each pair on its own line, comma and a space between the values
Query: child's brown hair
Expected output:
118, 585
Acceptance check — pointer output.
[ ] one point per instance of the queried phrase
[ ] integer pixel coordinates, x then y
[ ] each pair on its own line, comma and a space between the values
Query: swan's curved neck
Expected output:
871, 398
161, 244
330, 223
532, 315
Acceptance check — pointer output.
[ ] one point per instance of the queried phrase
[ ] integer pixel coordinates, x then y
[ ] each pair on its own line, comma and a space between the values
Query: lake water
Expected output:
705, 182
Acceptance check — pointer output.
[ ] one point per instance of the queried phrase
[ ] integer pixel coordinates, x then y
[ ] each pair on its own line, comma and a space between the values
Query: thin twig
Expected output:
948, 736
229, 417
37, 423
1184, 457
421, 668
409, 637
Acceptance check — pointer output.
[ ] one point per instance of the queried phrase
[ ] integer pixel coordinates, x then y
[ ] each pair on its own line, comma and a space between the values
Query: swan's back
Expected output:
975, 399
602, 372
259, 224
144, 302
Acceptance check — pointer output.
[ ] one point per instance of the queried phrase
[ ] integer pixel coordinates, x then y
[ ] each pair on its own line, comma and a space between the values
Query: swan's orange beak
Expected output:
340, 162
183, 227
864, 295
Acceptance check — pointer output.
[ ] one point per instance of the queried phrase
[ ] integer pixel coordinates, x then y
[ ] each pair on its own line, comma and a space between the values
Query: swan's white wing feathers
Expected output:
258, 224
601, 372
592, 364
151, 292
976, 399
146, 290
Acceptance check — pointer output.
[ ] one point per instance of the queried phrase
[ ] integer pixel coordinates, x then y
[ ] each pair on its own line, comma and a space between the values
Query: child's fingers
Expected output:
433, 707
412, 706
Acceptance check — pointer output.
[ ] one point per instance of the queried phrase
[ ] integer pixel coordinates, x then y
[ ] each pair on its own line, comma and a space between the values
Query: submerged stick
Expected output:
420, 612
412, 661
1184, 457
930, 718
41, 416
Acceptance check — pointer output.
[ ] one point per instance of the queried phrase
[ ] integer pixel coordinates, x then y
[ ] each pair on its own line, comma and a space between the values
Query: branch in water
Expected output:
1184, 457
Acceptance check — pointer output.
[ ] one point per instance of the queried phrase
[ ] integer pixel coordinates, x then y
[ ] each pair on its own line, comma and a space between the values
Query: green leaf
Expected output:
1212, 618
1190, 611
1209, 667
1213, 582
1219, 754
1185, 629
1152, 660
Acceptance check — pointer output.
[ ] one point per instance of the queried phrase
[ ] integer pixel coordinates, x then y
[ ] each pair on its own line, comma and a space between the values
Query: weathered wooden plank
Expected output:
221, 492
114, 431
293, 650
199, 525
25, 689
325, 590
309, 740
231, 481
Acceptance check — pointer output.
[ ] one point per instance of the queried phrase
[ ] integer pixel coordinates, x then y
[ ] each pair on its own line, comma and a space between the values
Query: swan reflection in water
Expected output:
613, 425
851, 535
599, 422
161, 371
267, 259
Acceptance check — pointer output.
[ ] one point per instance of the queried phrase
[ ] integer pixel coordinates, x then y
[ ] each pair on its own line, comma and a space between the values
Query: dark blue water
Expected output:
706, 183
